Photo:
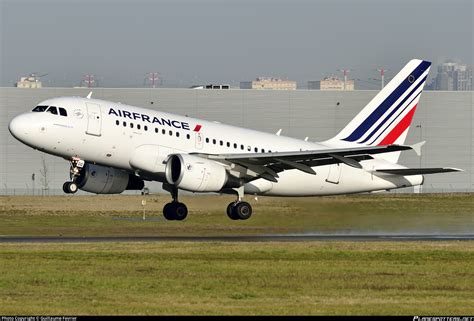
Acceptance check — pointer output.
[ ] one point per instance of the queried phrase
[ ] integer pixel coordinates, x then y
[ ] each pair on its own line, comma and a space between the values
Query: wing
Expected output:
418, 171
251, 166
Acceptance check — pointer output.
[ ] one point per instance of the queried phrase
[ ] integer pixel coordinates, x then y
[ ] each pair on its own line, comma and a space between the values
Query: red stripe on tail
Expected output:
399, 129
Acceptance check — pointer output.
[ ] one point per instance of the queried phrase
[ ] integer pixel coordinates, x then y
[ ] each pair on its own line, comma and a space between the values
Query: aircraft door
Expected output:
334, 173
94, 119
199, 140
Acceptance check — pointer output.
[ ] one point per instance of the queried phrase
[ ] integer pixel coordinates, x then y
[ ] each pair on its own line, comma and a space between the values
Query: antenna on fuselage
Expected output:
89, 96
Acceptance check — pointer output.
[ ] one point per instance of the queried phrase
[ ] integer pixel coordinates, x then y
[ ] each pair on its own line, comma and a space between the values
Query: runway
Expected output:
241, 238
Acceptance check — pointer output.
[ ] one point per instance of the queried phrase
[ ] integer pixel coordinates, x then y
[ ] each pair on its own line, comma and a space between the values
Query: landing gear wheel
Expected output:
168, 212
66, 187
231, 212
180, 211
243, 210
70, 187
175, 211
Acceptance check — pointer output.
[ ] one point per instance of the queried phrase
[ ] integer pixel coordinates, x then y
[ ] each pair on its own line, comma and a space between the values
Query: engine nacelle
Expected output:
195, 174
107, 180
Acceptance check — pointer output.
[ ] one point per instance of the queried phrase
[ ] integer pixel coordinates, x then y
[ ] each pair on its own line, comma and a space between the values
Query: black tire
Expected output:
72, 187
231, 212
168, 212
243, 210
180, 211
66, 187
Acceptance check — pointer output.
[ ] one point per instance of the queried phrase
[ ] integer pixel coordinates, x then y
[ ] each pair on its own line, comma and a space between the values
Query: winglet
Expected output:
278, 132
417, 147
89, 96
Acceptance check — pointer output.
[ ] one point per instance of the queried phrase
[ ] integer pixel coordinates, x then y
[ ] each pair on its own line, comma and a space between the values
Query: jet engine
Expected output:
195, 174
107, 180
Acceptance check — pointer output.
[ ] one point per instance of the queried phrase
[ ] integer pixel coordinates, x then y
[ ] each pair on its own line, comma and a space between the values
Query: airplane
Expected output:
113, 147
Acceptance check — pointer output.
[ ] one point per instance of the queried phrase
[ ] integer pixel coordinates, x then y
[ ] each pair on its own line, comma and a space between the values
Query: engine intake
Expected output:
195, 174
107, 180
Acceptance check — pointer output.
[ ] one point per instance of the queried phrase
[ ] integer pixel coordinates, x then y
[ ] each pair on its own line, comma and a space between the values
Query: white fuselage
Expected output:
101, 132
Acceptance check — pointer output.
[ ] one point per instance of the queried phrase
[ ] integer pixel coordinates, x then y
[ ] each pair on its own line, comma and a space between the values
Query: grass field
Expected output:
121, 215
414, 278
434, 278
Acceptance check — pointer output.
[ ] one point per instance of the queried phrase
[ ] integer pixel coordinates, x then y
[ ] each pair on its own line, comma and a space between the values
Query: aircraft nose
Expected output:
19, 127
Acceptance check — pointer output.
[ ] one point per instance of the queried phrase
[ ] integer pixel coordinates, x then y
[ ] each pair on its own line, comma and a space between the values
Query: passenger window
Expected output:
53, 110
177, 134
235, 145
131, 125
221, 143
228, 144
156, 130
62, 111
171, 133
163, 131
207, 140
263, 150
214, 141
256, 150
40, 109
124, 124
146, 128
117, 122
249, 148
138, 126
188, 136
242, 147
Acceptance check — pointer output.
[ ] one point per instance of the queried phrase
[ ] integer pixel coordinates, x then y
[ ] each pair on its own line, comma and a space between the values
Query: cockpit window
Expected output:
62, 111
53, 110
40, 108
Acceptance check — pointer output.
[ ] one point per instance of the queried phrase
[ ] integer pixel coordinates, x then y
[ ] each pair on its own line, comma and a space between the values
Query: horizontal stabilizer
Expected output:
418, 171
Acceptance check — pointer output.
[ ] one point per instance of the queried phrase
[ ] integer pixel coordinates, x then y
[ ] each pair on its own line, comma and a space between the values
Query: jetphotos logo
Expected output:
457, 318
153, 119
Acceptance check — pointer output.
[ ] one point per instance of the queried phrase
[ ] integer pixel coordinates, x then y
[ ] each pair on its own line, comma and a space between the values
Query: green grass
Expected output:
414, 278
434, 278
120, 215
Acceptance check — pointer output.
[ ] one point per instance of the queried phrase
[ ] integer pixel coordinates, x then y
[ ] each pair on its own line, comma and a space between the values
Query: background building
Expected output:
444, 119
31, 81
453, 76
268, 83
331, 83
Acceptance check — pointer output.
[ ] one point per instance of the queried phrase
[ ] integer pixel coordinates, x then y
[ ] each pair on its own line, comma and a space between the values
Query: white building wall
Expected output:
446, 120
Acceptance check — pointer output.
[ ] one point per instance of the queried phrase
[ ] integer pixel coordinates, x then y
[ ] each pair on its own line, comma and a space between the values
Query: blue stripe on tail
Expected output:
393, 111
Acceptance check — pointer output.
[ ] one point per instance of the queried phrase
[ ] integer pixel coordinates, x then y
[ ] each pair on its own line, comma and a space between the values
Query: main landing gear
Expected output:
239, 210
174, 210
177, 211
76, 166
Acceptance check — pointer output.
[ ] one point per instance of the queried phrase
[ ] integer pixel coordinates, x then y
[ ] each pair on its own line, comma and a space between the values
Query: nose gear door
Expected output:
94, 119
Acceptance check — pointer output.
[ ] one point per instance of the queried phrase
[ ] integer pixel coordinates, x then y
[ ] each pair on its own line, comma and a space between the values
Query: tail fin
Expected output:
386, 118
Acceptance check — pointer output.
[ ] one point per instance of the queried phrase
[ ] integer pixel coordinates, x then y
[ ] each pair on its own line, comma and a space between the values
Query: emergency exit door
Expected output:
199, 140
94, 119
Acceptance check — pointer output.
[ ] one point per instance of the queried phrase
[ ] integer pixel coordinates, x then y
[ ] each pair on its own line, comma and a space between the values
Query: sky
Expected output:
193, 42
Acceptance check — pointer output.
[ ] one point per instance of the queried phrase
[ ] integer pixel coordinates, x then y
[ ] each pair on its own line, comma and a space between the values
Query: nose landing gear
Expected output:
76, 166
70, 187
